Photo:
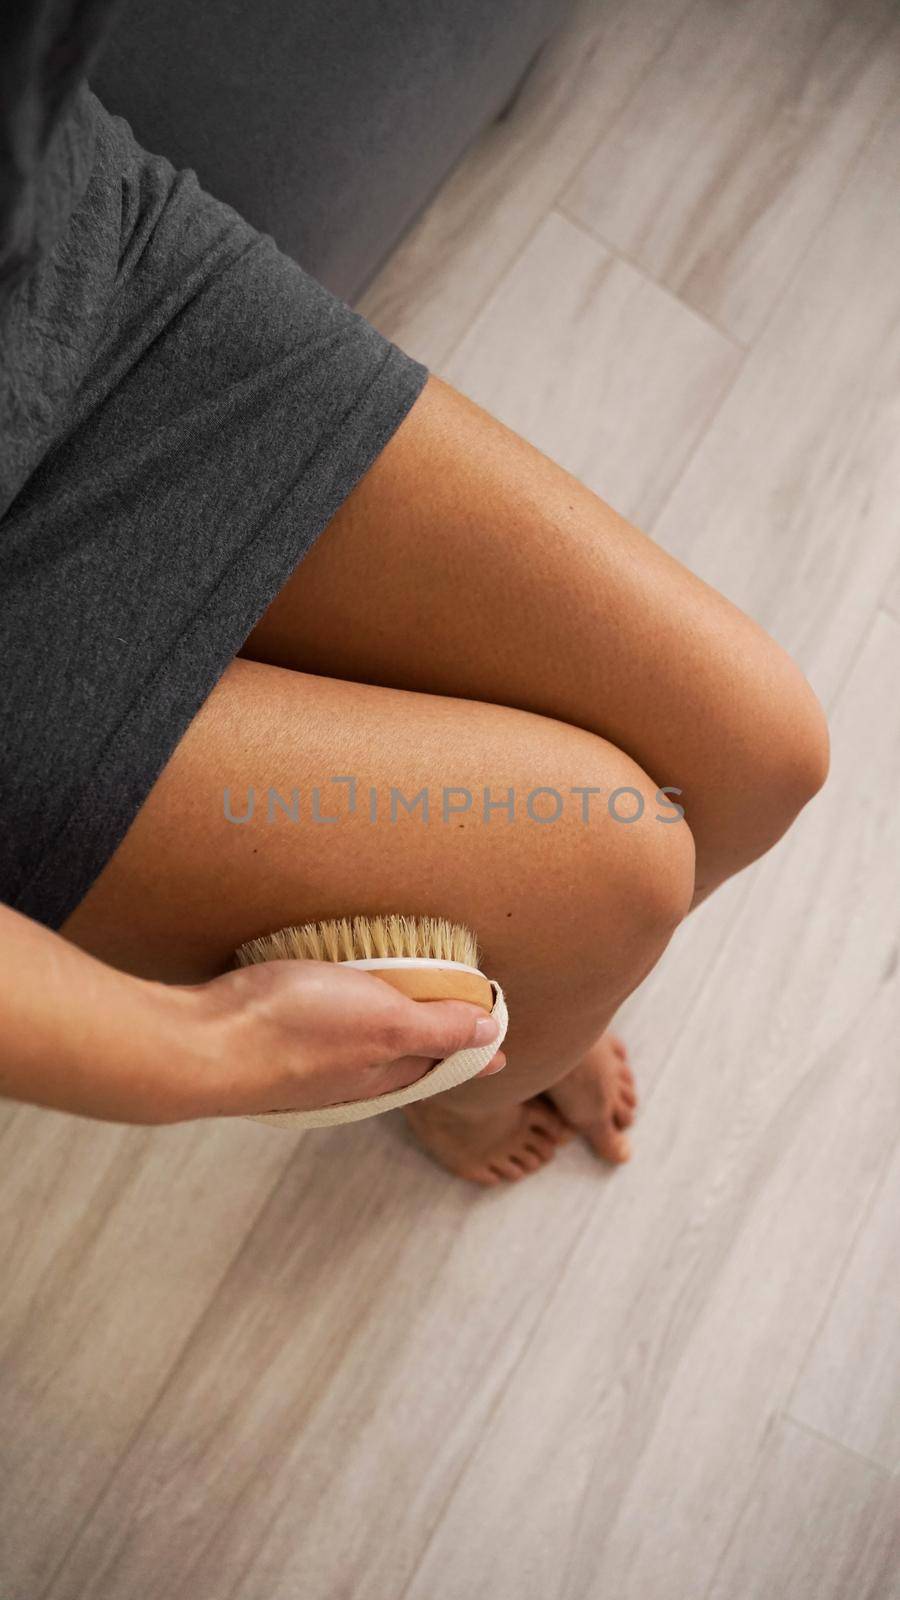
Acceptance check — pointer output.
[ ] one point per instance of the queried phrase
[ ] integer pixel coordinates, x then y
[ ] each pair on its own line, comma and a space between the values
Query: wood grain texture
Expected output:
892, 592
406, 1387
238, 1363
435, 282
330, 1397
112, 1240
790, 503
850, 1384
621, 1455
726, 159
562, 350
819, 1524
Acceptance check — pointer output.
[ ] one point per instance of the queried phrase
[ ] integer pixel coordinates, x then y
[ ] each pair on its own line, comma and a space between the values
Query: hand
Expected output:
299, 1035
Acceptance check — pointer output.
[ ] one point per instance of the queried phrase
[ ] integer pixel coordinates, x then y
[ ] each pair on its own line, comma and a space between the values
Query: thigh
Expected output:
564, 910
468, 563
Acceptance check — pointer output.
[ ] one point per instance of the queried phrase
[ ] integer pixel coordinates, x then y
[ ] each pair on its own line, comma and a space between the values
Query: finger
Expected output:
405, 1070
409, 1069
436, 1028
495, 1065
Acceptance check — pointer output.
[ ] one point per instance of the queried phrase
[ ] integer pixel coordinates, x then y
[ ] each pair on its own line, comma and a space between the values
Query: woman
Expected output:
251, 548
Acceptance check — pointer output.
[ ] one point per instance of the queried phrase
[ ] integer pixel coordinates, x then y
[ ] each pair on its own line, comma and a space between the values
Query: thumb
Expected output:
437, 1028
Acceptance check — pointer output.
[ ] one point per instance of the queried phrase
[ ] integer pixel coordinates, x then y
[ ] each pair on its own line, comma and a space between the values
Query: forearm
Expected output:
79, 1036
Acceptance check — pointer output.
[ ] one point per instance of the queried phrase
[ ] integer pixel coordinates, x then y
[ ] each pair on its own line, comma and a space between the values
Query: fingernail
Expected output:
497, 1065
486, 1029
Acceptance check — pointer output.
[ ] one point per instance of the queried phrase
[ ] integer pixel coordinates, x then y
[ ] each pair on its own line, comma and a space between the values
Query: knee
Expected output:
633, 870
789, 743
653, 881
806, 761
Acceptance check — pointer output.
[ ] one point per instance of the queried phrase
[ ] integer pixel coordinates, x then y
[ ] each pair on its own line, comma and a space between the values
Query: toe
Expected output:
541, 1145
609, 1142
508, 1168
483, 1175
544, 1118
623, 1116
525, 1159
542, 1138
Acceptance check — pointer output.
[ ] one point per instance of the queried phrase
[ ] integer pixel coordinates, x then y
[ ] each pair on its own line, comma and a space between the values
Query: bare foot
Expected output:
493, 1147
598, 1098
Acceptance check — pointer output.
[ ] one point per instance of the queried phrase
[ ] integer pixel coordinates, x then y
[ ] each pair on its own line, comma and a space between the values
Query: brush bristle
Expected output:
362, 938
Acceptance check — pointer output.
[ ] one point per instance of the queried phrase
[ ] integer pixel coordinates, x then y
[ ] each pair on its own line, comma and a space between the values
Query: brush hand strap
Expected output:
446, 1074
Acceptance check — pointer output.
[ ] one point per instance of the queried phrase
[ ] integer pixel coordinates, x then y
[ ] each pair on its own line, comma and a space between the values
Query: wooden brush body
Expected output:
425, 958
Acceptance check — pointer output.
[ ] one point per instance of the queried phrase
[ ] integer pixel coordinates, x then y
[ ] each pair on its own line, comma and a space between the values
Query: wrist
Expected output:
202, 1038
142, 1066
186, 1040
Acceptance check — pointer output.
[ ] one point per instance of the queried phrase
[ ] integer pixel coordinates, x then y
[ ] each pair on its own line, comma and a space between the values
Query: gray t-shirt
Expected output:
45, 157
182, 410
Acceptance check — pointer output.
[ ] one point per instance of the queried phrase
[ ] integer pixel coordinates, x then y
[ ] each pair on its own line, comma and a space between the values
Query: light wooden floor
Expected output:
247, 1365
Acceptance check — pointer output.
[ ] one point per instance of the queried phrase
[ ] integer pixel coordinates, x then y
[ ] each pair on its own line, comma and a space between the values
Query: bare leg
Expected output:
570, 915
468, 563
